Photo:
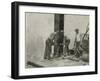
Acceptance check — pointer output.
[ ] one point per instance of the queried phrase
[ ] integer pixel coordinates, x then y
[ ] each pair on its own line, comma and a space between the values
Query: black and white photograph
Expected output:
50, 40
53, 40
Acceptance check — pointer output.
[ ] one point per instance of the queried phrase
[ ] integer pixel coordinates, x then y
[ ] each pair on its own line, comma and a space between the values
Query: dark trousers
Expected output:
77, 50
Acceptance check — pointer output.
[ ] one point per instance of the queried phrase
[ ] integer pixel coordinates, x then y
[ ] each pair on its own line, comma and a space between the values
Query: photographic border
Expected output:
15, 39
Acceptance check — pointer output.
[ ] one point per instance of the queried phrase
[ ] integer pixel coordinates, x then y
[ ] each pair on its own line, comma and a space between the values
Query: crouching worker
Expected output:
48, 47
66, 45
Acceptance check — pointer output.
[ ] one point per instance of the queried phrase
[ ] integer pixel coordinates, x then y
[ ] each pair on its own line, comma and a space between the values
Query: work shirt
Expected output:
77, 38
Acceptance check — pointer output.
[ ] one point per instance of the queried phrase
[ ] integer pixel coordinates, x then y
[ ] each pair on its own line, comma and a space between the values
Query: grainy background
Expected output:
39, 26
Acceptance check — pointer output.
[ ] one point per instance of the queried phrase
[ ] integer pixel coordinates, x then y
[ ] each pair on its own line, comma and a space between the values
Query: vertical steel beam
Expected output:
59, 28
